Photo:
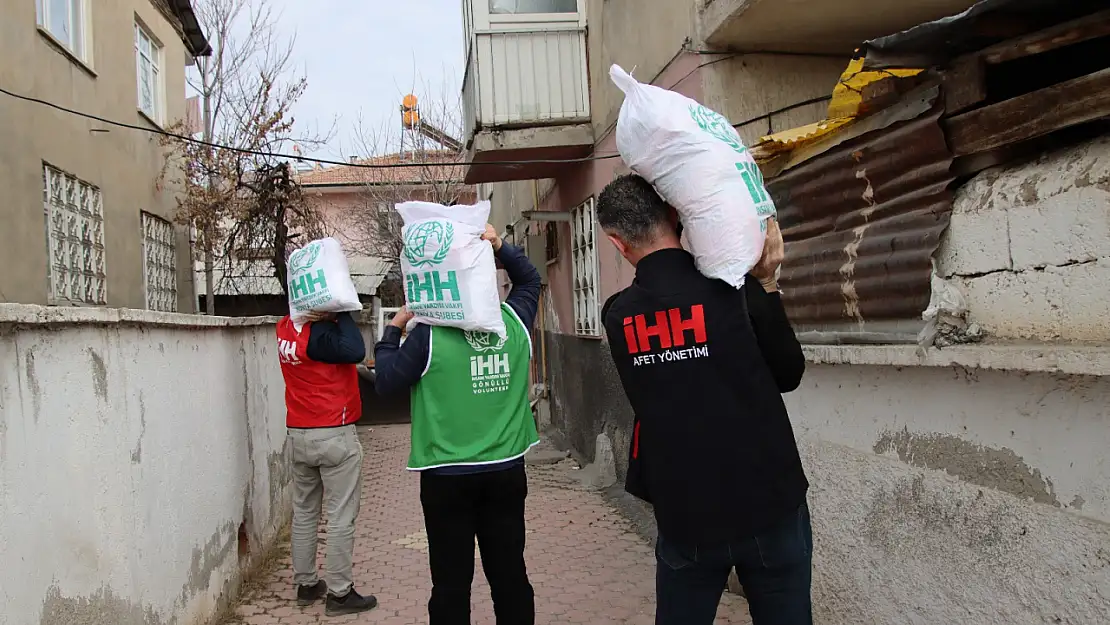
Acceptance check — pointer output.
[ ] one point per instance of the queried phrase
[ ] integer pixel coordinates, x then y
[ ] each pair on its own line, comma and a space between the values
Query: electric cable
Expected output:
294, 157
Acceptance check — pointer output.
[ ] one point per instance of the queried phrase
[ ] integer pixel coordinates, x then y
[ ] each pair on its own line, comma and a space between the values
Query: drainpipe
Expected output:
542, 301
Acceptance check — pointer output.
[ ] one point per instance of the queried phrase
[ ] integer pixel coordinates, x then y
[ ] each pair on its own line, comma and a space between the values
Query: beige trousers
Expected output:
327, 466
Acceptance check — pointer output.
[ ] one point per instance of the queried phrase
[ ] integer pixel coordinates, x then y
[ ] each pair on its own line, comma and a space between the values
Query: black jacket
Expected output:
712, 448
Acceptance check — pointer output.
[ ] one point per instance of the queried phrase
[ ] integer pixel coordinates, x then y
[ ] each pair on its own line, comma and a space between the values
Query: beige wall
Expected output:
123, 163
645, 34
746, 87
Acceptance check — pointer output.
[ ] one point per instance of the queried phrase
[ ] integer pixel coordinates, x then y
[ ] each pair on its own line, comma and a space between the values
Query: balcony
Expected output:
526, 90
813, 26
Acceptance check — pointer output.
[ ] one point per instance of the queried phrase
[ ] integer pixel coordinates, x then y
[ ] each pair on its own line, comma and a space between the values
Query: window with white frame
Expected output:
66, 21
75, 239
584, 255
159, 263
148, 66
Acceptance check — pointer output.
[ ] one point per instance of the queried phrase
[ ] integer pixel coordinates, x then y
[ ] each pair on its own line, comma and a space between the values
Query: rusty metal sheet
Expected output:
861, 223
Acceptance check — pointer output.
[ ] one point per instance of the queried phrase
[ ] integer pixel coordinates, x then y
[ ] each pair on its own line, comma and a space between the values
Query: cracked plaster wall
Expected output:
947, 495
1029, 246
129, 456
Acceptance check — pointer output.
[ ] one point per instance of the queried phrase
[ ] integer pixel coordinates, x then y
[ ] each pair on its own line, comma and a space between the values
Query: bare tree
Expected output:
423, 147
242, 199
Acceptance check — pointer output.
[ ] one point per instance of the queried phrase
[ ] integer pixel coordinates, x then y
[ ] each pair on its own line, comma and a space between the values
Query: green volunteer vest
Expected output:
471, 406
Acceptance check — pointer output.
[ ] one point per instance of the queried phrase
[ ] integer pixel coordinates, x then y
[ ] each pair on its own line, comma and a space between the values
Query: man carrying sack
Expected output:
703, 365
318, 349
471, 426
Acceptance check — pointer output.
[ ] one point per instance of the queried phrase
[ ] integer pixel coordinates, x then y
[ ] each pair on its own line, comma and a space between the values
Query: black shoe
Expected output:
350, 603
308, 595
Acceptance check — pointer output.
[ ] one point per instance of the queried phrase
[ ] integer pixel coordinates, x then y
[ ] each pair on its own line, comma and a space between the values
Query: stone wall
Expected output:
142, 463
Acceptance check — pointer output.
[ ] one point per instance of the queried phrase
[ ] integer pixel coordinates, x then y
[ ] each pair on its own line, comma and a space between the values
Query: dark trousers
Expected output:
489, 506
774, 567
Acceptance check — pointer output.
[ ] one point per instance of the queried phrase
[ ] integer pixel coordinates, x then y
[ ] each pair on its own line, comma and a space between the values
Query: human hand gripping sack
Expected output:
312, 316
491, 235
774, 249
401, 318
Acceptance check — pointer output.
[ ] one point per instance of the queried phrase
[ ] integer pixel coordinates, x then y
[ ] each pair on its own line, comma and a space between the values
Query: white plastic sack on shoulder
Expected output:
449, 273
698, 164
320, 280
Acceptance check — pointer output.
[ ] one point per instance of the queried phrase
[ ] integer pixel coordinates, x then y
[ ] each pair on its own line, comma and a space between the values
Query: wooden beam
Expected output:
1076, 31
964, 85
1031, 115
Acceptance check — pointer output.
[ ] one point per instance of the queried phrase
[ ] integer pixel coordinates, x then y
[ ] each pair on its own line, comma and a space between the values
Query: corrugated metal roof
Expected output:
862, 221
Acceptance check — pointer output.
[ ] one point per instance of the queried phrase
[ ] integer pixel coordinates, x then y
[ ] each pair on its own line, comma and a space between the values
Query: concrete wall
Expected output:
1029, 246
124, 164
954, 495
641, 34
749, 86
140, 454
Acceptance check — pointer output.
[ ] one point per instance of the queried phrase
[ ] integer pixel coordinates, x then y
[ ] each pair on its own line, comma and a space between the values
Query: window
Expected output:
66, 21
148, 65
159, 263
584, 254
518, 7
551, 242
74, 238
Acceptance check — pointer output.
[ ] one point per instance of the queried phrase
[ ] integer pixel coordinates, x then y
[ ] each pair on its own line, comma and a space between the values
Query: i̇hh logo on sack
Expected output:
432, 293
715, 124
307, 288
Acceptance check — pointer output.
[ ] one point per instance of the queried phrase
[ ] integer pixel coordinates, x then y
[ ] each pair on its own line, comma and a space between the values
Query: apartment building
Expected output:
85, 221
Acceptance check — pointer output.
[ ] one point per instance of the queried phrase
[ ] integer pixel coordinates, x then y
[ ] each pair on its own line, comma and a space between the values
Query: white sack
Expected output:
449, 273
320, 281
698, 164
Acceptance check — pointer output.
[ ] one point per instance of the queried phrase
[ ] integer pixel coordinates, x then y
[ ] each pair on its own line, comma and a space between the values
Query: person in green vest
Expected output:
471, 426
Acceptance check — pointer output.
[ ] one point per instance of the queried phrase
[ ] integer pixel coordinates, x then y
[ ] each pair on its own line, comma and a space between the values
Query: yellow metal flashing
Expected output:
844, 106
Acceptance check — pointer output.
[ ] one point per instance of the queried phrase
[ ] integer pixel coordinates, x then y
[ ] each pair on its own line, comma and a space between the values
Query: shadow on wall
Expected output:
587, 396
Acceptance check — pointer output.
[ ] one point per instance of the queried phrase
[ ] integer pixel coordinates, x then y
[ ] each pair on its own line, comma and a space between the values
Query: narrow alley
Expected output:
587, 563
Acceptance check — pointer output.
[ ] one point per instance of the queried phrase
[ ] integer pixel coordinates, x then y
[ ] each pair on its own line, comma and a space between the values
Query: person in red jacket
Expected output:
322, 406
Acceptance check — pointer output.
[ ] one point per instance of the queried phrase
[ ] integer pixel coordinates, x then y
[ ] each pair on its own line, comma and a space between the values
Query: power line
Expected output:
294, 157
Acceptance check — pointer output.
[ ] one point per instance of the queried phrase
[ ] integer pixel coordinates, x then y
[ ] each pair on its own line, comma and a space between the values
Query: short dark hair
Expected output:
630, 208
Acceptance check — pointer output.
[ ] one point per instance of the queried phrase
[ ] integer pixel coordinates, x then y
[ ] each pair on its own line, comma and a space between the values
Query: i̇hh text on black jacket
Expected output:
713, 449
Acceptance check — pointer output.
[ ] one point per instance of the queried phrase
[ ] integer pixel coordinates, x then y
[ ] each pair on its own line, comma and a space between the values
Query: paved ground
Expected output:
584, 559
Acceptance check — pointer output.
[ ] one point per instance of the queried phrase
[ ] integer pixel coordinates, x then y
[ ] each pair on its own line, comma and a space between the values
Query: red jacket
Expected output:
317, 394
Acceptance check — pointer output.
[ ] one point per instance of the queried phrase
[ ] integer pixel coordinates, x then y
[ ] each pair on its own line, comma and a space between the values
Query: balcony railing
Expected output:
526, 78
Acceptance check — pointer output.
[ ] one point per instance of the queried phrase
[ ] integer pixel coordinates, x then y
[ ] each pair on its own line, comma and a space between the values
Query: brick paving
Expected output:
586, 562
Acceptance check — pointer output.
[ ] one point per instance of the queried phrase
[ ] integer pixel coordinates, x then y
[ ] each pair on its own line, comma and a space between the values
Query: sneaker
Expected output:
350, 603
310, 594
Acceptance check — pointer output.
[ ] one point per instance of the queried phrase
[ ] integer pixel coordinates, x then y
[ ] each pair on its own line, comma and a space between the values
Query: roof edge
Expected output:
193, 34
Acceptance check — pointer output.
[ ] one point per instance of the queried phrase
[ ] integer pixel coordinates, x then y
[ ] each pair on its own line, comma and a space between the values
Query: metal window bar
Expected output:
584, 255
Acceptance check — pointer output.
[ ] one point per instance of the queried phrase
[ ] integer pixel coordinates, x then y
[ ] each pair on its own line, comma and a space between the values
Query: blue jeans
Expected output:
774, 567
